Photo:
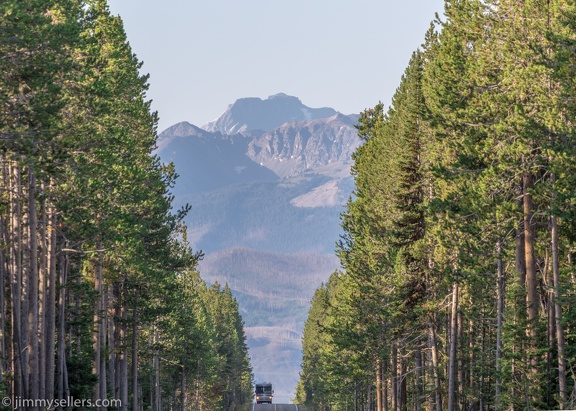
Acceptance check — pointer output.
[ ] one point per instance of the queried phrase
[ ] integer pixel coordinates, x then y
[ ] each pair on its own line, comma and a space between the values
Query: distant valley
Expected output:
267, 182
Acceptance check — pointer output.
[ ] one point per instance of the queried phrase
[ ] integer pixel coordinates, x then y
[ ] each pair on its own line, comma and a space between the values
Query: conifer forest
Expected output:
458, 283
100, 296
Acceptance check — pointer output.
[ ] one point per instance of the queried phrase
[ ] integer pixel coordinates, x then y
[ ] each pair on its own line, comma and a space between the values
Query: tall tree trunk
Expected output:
560, 340
6, 341
157, 399
499, 321
520, 265
62, 369
50, 336
435, 364
3, 319
460, 370
384, 385
550, 336
103, 333
394, 376
4, 273
33, 290
183, 389
123, 366
419, 384
403, 386
113, 340
378, 384
20, 380
532, 300
135, 354
43, 284
453, 346
472, 374
532, 303
97, 329
25, 287
483, 344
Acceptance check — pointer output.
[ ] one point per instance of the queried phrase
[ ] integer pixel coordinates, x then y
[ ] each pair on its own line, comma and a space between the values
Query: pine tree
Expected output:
459, 234
90, 244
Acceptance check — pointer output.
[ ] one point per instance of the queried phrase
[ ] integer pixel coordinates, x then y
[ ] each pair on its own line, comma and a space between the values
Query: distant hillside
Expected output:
291, 215
266, 282
273, 292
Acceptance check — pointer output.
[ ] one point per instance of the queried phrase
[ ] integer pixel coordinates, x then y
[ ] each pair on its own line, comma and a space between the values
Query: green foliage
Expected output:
100, 293
230, 347
449, 248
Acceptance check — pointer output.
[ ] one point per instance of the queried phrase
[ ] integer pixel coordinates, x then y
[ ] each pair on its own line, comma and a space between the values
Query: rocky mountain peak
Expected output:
298, 146
253, 113
182, 130
279, 133
285, 97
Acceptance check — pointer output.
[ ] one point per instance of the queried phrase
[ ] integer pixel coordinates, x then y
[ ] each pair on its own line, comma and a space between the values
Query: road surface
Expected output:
275, 407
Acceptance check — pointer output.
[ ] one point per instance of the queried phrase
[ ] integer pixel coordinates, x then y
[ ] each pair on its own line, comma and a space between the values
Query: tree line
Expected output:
459, 244
100, 297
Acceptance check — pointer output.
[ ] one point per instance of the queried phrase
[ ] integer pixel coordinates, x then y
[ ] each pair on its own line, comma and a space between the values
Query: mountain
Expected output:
294, 214
253, 113
208, 161
279, 288
292, 148
273, 292
266, 182
298, 146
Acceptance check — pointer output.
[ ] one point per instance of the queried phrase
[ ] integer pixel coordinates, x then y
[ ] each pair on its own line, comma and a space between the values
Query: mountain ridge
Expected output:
253, 113
298, 146
288, 149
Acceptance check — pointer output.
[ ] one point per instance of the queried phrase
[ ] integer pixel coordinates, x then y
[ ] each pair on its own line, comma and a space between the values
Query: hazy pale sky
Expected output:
204, 55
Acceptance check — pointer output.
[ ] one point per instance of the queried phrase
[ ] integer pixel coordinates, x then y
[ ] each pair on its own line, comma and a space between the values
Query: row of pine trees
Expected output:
100, 297
460, 239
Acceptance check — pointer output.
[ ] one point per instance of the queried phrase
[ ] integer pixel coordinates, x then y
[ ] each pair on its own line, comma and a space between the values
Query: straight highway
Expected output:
275, 407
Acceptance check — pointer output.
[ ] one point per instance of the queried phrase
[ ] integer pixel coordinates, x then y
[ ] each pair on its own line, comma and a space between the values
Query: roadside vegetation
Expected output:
459, 246
100, 297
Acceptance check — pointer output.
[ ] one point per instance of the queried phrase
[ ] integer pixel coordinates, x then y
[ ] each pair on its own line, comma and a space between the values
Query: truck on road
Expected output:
264, 393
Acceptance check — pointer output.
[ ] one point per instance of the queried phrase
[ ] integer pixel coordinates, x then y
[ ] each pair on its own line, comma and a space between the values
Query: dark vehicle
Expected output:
264, 393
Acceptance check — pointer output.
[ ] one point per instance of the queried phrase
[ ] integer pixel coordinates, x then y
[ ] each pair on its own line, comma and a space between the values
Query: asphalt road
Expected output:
275, 407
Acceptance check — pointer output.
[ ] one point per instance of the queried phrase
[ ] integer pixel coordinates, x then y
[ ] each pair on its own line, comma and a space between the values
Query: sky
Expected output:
204, 55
